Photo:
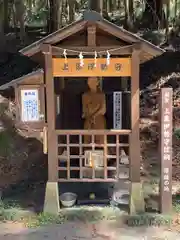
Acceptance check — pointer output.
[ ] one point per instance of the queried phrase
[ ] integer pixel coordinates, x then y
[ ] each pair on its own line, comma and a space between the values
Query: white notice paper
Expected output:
30, 105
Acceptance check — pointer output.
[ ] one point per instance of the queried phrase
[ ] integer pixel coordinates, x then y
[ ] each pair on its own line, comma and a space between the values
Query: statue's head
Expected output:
93, 83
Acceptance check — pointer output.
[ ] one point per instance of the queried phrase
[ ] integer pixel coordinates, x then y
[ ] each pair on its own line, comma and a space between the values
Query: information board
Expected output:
30, 105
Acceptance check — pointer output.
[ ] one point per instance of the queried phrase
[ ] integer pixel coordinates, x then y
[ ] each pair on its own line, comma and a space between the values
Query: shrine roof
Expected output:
101, 23
15, 66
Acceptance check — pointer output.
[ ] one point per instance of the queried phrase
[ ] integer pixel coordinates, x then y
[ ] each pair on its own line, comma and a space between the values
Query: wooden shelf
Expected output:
93, 145
85, 168
87, 180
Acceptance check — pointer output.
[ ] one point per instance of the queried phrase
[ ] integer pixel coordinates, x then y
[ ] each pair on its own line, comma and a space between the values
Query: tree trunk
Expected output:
60, 14
126, 13
2, 37
105, 5
167, 18
71, 11
30, 5
6, 16
154, 14
175, 9
1, 18
54, 6
110, 6
119, 4
131, 14
19, 15
96, 5
128, 7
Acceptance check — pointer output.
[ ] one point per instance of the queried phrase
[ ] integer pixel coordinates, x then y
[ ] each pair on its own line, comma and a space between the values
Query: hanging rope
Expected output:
92, 52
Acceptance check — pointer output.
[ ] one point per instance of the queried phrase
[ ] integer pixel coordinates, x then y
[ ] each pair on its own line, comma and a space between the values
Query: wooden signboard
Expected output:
166, 150
71, 67
117, 110
30, 111
94, 158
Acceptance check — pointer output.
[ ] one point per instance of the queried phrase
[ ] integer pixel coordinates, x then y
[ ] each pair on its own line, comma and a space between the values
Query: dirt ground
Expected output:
86, 231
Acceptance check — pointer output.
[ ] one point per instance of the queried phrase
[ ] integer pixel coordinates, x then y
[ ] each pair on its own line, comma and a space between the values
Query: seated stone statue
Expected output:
94, 109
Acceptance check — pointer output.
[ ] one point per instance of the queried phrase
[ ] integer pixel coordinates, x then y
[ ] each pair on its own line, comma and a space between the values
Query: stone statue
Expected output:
94, 109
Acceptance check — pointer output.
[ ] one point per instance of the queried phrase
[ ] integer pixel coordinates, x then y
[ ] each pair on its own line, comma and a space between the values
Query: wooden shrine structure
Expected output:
89, 47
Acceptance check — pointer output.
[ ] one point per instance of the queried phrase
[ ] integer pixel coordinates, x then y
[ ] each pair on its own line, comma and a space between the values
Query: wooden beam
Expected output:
89, 50
93, 132
91, 35
135, 105
50, 108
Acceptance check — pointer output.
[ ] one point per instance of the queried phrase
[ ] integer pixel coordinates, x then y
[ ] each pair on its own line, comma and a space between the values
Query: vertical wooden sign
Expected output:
166, 103
117, 110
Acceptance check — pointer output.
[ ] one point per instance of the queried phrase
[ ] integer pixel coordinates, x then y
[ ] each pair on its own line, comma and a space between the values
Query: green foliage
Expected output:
5, 142
176, 203
11, 212
177, 133
44, 219
149, 220
176, 207
93, 214
156, 37
38, 18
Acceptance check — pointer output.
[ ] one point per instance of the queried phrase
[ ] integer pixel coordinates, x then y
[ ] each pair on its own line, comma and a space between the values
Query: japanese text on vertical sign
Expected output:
166, 138
117, 110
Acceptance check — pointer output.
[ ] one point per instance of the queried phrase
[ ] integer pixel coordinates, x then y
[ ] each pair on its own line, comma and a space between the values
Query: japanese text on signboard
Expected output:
72, 66
167, 137
117, 110
29, 105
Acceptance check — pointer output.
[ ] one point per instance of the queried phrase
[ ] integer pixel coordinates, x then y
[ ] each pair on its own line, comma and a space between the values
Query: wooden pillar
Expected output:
91, 40
52, 194
136, 198
135, 140
91, 35
125, 102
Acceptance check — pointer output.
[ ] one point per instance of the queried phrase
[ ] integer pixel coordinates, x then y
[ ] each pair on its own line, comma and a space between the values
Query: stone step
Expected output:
120, 202
122, 192
124, 201
124, 185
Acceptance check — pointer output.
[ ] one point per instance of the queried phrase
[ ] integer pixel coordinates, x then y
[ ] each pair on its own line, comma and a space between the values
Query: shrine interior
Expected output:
68, 92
